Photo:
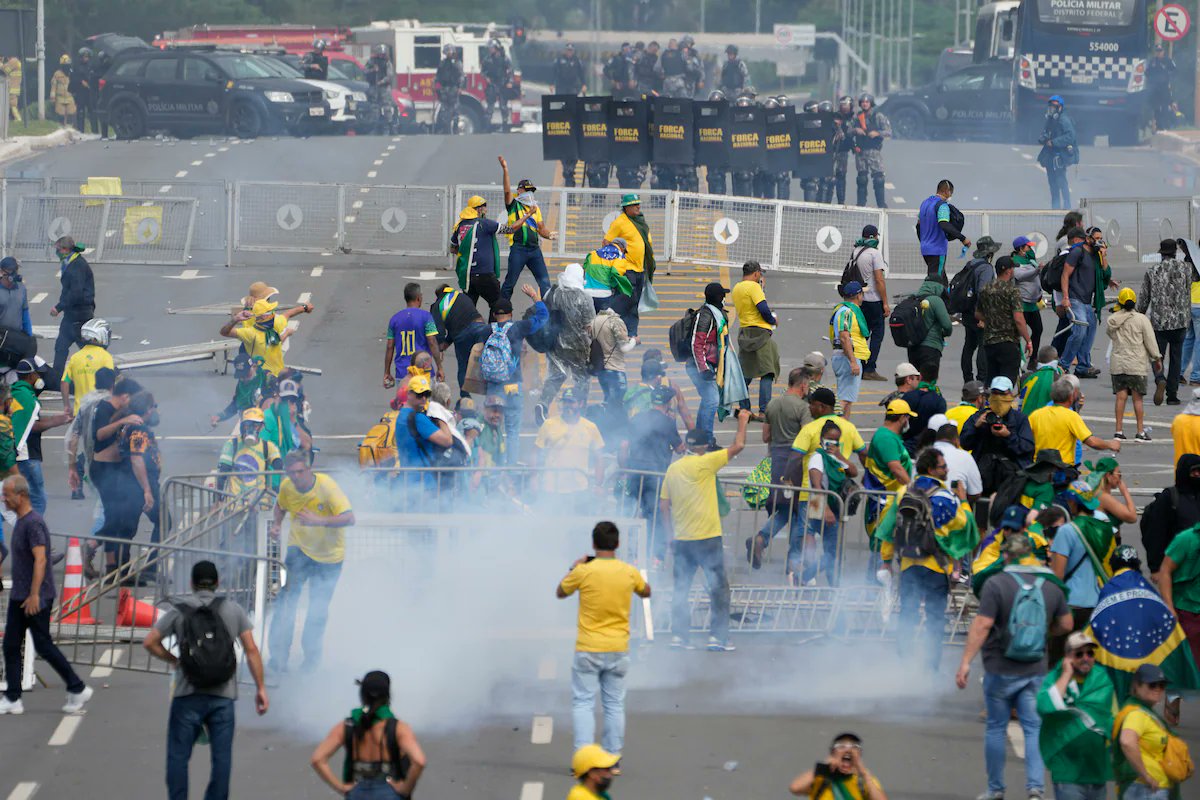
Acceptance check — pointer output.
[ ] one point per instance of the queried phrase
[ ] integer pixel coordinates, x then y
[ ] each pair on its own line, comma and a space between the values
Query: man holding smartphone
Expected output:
843, 774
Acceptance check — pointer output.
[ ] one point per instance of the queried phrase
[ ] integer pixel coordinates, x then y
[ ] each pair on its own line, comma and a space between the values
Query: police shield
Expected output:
593, 128
747, 138
781, 139
629, 133
559, 127
671, 131
814, 145
712, 132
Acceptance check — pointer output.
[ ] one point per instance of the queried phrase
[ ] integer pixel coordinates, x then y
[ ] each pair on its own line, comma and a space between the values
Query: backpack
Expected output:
915, 535
1051, 274
1026, 629
1177, 761
852, 272
907, 322
962, 289
496, 362
957, 220
206, 653
596, 358
545, 338
452, 456
378, 447
680, 335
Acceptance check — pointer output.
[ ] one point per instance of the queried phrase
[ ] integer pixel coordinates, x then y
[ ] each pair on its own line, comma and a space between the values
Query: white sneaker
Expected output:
75, 701
991, 796
715, 645
14, 707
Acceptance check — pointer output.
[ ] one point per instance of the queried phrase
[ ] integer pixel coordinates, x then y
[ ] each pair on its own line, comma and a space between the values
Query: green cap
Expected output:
630, 200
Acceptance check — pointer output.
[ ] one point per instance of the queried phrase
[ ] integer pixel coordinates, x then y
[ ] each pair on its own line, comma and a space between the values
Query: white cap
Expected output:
937, 421
906, 370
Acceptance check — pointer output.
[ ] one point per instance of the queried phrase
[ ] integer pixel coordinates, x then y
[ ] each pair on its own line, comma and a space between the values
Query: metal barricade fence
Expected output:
12, 190
119, 229
382, 219
725, 231
288, 217
1136, 225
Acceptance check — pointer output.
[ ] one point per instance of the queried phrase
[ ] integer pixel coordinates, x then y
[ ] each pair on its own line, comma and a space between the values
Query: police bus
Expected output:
1091, 52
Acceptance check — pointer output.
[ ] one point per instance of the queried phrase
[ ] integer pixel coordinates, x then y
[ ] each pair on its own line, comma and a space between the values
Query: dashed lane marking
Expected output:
547, 669
181, 174
222, 149
395, 138
39, 297
391, 147
357, 204
377, 162
166, 187
65, 731
350, 220
197, 163
531, 791
364, 190
898, 198
372, 174
28, 789
303, 298
316, 272
210, 155
543, 730
1026, 156
105, 663
384, 155
889, 186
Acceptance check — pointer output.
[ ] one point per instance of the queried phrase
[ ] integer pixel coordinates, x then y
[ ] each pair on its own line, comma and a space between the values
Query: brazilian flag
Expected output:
956, 531
605, 269
467, 253
1101, 542
989, 561
1133, 626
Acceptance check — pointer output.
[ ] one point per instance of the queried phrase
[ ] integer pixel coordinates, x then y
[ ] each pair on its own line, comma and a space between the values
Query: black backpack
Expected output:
452, 456
962, 288
1051, 274
206, 653
852, 272
680, 335
915, 535
957, 220
907, 322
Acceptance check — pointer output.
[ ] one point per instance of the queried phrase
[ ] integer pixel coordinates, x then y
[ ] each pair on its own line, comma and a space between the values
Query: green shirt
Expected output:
1184, 550
887, 446
1035, 389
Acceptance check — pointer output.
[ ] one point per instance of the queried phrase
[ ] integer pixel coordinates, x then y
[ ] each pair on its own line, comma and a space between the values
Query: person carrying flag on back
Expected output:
604, 278
477, 252
631, 226
1079, 555
989, 560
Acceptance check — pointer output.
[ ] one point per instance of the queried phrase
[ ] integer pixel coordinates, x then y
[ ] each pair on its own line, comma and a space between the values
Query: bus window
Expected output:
427, 52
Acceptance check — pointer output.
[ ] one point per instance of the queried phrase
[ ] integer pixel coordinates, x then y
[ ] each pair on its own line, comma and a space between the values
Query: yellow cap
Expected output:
475, 201
262, 307
592, 756
253, 415
468, 213
899, 406
1126, 295
419, 384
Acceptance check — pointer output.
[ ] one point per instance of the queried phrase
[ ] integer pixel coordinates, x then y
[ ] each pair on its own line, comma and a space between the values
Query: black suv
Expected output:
191, 92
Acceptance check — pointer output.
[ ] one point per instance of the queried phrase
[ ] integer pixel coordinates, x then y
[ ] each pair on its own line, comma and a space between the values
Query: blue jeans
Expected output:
189, 715
1140, 791
519, 257
31, 471
322, 579
786, 515
1060, 192
1190, 363
802, 558
514, 406
710, 397
1001, 694
922, 585
873, 311
1079, 344
612, 384
373, 789
709, 556
604, 673
1080, 791
848, 384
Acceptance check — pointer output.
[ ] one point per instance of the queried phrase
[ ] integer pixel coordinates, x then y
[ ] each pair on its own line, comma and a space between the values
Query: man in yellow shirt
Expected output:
757, 351
1141, 739
79, 378
605, 585
689, 500
1185, 428
1059, 427
568, 446
266, 336
594, 769
849, 334
631, 226
316, 547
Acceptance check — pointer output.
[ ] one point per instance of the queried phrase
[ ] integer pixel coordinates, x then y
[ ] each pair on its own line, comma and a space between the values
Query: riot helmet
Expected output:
810, 106
845, 103
825, 107
716, 94
731, 50
866, 97
319, 45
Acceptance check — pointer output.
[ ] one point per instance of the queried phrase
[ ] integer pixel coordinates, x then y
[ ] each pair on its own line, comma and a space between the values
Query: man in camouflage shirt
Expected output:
1167, 291
1000, 314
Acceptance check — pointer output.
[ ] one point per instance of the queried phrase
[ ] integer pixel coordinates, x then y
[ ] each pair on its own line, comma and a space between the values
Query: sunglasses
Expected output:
1157, 685
1089, 653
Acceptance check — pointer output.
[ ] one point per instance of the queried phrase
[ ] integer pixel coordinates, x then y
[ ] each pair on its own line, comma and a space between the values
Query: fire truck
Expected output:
416, 52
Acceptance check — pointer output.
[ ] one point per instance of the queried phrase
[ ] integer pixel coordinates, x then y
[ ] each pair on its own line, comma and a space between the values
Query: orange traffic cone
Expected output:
69, 610
133, 613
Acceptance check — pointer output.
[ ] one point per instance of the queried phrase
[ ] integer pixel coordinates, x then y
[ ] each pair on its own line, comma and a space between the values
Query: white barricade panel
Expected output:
714, 229
400, 220
42, 219
296, 217
820, 238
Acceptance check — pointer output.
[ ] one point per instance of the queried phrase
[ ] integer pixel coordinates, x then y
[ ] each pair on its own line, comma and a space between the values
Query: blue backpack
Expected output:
1026, 629
496, 362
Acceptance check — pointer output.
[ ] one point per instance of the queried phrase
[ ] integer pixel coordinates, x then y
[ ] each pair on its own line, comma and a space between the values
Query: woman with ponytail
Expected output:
383, 757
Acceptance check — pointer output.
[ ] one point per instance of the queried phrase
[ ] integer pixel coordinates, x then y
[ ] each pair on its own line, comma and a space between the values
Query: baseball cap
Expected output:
815, 359
525, 185
289, 388
698, 436
906, 370
937, 421
899, 406
1126, 295
1021, 241
418, 384
653, 368
824, 395
870, 232
1081, 493
1014, 517
851, 289
662, 395
1079, 639
590, 757
1149, 673
204, 573
26, 367
502, 306
630, 200
475, 201
972, 390
9, 264
570, 396
253, 415
375, 683
1002, 383
493, 401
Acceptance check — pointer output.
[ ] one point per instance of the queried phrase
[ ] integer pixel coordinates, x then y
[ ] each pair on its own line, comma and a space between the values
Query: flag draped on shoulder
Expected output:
467, 256
604, 269
988, 560
956, 530
1076, 727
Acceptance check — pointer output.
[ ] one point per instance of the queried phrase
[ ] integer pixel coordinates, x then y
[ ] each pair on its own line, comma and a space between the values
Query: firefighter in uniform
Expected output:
81, 89
315, 62
498, 72
568, 72
743, 179
715, 176
870, 129
12, 68
60, 91
735, 76
619, 72
448, 82
648, 72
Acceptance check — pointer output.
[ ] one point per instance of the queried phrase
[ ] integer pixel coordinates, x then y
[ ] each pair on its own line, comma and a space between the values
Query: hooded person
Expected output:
571, 312
1173, 510
926, 355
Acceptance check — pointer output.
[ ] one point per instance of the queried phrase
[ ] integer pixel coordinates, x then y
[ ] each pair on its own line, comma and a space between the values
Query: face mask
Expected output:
1052, 113
265, 325
829, 444
1000, 403
526, 199
603, 783
904, 428
38, 385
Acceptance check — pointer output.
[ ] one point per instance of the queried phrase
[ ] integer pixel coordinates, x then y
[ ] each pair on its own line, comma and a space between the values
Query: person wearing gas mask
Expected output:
245, 456
1059, 151
870, 128
999, 436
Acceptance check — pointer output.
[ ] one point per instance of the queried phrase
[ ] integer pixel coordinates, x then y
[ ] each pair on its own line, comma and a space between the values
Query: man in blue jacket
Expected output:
934, 229
1059, 151
76, 303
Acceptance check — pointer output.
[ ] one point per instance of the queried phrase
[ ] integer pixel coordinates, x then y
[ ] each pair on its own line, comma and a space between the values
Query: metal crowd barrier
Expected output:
1137, 225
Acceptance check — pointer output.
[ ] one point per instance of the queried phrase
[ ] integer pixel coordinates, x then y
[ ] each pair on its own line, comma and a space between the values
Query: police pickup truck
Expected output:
971, 103
188, 92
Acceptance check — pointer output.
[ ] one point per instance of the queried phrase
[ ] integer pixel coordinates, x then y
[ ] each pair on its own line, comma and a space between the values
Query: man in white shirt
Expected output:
873, 271
960, 466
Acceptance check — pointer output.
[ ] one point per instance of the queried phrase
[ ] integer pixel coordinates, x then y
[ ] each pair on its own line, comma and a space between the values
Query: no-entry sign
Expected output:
1172, 22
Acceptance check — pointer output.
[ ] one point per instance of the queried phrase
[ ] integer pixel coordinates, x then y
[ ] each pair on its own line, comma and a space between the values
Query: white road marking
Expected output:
304, 297
1026, 156
65, 731
384, 155
197, 163
372, 174
898, 198
377, 162
316, 272
364, 190
1016, 737
39, 297
889, 186
28, 789
1016, 149
531, 791
547, 669
222, 149
391, 147
543, 730
210, 155
395, 138
166, 187
357, 204
104, 664
186, 275
181, 174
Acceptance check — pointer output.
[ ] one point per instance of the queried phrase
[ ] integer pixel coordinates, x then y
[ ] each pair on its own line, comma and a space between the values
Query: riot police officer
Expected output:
619, 73
648, 72
675, 72
715, 176
379, 69
843, 145
743, 179
811, 186
568, 72
695, 68
497, 70
870, 129
448, 82
825, 183
315, 62
735, 75
81, 89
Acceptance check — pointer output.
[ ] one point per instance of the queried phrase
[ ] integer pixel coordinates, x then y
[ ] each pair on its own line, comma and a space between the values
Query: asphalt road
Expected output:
771, 708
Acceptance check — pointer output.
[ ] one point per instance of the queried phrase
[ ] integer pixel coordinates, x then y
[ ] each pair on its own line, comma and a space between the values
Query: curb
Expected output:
21, 146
